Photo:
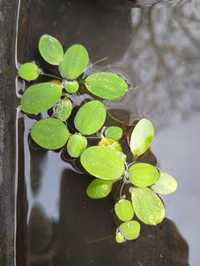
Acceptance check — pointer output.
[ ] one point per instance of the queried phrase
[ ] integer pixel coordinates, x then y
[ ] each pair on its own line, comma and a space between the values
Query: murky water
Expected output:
158, 51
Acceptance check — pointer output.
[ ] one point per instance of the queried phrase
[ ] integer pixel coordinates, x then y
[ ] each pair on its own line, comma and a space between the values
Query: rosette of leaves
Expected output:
105, 161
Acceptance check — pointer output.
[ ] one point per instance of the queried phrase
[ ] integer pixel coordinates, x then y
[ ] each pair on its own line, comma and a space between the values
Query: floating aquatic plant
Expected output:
106, 160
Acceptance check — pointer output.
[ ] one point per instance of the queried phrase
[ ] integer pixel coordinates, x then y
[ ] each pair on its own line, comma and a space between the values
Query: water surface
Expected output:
158, 51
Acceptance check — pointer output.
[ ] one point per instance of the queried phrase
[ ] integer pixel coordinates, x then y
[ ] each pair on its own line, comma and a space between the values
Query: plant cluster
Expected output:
106, 161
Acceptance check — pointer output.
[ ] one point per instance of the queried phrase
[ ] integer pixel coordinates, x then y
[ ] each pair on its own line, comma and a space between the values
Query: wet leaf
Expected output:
63, 109
76, 145
50, 133
51, 49
124, 210
90, 117
130, 230
75, 62
114, 133
99, 189
147, 206
141, 137
106, 85
71, 86
103, 163
165, 185
119, 237
143, 174
29, 71
40, 97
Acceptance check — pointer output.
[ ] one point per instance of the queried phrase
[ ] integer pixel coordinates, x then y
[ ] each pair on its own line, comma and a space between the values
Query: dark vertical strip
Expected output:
8, 15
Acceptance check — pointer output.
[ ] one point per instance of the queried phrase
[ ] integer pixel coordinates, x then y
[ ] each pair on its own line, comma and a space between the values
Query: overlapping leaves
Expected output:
140, 184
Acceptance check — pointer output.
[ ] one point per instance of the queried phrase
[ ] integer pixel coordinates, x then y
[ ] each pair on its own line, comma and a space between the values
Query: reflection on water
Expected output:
181, 140
158, 50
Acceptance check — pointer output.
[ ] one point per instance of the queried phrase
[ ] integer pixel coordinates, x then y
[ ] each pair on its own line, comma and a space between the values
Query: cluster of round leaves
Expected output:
105, 161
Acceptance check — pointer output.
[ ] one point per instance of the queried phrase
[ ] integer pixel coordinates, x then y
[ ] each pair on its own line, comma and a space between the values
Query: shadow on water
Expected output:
83, 234
57, 223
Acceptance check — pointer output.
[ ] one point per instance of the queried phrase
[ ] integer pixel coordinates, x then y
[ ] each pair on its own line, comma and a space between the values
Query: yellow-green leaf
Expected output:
143, 174
141, 137
29, 71
165, 185
90, 117
119, 237
76, 145
50, 133
103, 163
63, 109
124, 210
147, 206
40, 97
114, 133
106, 85
75, 62
71, 86
130, 230
111, 144
51, 49
99, 189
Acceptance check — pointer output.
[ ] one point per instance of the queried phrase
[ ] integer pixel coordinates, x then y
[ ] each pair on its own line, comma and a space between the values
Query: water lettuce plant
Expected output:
63, 125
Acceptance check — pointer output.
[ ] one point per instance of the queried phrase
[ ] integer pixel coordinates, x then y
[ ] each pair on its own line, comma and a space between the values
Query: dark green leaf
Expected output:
40, 97
147, 206
76, 145
106, 85
90, 117
50, 133
141, 137
143, 174
29, 71
75, 62
102, 162
99, 189
51, 49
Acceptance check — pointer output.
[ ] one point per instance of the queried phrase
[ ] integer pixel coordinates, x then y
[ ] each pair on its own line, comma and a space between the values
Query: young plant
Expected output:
141, 184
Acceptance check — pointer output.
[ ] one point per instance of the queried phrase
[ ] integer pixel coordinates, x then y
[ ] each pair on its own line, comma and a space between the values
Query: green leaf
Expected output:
106, 85
111, 144
147, 206
119, 237
76, 145
103, 163
165, 185
71, 86
51, 49
124, 210
90, 117
114, 133
99, 189
141, 137
50, 133
29, 71
63, 109
40, 97
143, 174
75, 62
130, 230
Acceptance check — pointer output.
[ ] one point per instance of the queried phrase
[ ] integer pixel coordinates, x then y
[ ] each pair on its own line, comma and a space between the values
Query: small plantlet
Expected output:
141, 184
